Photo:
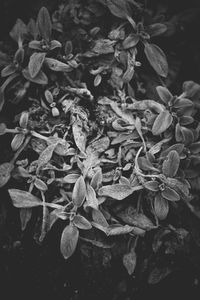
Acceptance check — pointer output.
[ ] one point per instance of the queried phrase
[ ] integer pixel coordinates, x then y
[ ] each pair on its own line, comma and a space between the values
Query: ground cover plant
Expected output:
100, 138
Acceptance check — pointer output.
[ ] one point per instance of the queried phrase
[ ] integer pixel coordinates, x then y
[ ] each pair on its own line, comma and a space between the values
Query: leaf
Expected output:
130, 41
71, 178
35, 63
99, 218
23, 199
164, 94
2, 128
157, 274
152, 186
182, 103
40, 185
129, 261
17, 141
91, 198
25, 216
157, 59
97, 80
44, 23
162, 122
79, 192
171, 164
40, 78
117, 191
170, 194
68, 48
81, 222
5, 172
57, 66
18, 32
46, 155
96, 180
161, 207
118, 229
69, 240
156, 29
79, 135
8, 70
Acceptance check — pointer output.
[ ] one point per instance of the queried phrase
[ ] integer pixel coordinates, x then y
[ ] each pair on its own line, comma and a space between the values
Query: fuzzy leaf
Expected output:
81, 222
35, 63
79, 136
40, 78
171, 164
57, 66
91, 197
96, 180
5, 172
23, 199
129, 261
44, 23
79, 192
164, 94
170, 194
117, 191
17, 141
162, 122
157, 59
71, 178
151, 185
69, 240
161, 207
46, 155
99, 218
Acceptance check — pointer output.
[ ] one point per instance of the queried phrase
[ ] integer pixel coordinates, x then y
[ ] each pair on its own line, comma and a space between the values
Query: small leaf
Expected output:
81, 222
117, 191
46, 155
79, 136
91, 198
157, 59
40, 185
3, 128
164, 94
157, 274
71, 178
151, 185
182, 103
19, 56
44, 23
96, 180
171, 164
8, 70
5, 173
18, 32
68, 48
57, 66
170, 194
162, 122
23, 199
35, 63
129, 261
69, 240
130, 41
79, 192
23, 122
156, 29
99, 218
161, 207
17, 141
97, 80
25, 216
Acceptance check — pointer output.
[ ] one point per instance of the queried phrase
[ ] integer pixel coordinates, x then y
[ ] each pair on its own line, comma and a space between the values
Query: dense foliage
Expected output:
98, 139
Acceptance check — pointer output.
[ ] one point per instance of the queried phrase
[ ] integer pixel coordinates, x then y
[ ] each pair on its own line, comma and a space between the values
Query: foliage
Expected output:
104, 157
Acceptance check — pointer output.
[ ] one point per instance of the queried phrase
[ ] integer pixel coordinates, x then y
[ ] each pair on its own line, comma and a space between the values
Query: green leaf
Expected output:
164, 94
18, 32
161, 207
81, 222
156, 29
35, 63
171, 164
23, 199
182, 103
157, 59
91, 198
99, 218
3, 128
5, 172
44, 23
117, 191
130, 41
46, 155
71, 178
23, 122
170, 194
79, 192
8, 70
129, 261
69, 240
96, 180
162, 122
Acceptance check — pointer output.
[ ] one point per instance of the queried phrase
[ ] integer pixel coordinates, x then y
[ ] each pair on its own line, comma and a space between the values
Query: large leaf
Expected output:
44, 23
117, 191
23, 199
69, 240
79, 192
157, 59
162, 122
35, 63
